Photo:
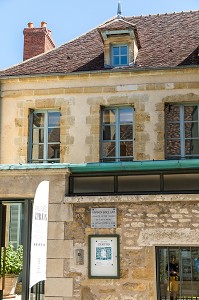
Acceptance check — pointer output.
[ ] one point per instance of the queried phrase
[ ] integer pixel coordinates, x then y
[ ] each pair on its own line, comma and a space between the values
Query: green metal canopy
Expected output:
152, 165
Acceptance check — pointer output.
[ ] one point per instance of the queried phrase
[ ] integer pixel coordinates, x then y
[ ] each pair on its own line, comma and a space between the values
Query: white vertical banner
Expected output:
38, 253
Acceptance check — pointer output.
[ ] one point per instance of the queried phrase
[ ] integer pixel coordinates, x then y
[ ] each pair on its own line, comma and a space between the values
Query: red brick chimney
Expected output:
37, 40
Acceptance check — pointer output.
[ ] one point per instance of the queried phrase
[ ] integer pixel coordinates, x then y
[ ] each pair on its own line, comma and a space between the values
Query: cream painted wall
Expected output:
80, 96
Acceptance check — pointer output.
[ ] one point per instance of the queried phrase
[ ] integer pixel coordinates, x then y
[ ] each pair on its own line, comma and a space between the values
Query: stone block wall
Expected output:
144, 223
17, 185
80, 98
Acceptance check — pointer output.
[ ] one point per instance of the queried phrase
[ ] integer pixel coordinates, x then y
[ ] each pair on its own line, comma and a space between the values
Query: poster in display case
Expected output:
103, 256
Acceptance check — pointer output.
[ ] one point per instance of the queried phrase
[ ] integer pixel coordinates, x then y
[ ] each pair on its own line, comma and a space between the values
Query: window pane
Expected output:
181, 182
191, 130
115, 50
109, 116
191, 113
116, 60
126, 132
192, 147
126, 149
53, 135
109, 133
173, 148
109, 149
93, 184
137, 183
54, 151
172, 113
173, 130
126, 115
37, 152
38, 136
123, 50
124, 60
53, 119
38, 119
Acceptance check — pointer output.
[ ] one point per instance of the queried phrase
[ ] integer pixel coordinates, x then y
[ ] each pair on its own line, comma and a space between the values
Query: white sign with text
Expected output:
103, 217
38, 253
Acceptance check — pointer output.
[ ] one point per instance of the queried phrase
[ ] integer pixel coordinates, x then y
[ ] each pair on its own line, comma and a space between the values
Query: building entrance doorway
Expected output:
178, 273
15, 238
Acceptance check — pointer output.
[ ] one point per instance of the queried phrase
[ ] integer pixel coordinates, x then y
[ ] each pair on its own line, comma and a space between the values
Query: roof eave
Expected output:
122, 69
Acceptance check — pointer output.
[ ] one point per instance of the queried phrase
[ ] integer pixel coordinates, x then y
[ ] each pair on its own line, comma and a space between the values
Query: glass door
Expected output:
15, 242
15, 228
2, 246
178, 273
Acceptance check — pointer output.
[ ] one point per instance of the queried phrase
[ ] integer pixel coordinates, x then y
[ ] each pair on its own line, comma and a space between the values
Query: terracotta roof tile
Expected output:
116, 24
167, 40
119, 24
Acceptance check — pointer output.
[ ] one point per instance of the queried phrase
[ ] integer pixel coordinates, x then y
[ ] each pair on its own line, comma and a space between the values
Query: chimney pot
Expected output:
37, 41
43, 24
30, 25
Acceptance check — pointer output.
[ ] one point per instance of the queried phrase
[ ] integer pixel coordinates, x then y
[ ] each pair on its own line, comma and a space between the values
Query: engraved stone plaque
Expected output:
103, 217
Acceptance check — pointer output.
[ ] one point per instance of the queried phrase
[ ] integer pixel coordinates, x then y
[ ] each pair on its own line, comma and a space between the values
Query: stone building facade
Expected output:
156, 197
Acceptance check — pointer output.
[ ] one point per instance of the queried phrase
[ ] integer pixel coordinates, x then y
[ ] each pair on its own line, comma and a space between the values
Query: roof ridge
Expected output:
163, 14
116, 19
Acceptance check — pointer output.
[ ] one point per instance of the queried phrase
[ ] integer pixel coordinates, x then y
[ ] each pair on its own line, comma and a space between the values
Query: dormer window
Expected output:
121, 43
119, 55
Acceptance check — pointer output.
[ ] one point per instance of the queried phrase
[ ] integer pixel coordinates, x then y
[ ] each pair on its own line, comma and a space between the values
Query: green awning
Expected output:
152, 165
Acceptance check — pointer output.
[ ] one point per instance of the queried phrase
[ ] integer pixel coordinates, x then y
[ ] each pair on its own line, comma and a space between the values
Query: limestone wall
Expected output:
142, 226
144, 222
80, 97
17, 185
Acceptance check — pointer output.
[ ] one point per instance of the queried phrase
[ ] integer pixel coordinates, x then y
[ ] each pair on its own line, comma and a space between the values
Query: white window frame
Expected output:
117, 140
45, 143
182, 138
15, 215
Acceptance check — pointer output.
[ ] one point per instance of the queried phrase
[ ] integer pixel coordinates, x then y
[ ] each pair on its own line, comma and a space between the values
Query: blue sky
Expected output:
69, 19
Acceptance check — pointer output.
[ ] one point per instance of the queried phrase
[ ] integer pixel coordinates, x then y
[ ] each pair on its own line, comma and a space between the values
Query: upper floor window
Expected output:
119, 55
182, 131
117, 134
44, 146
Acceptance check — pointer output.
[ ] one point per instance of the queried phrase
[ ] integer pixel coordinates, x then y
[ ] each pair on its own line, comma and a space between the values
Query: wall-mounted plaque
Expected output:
104, 256
103, 217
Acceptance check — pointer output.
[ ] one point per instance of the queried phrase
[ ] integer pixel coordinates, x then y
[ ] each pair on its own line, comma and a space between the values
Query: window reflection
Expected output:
178, 269
182, 131
119, 55
45, 137
117, 134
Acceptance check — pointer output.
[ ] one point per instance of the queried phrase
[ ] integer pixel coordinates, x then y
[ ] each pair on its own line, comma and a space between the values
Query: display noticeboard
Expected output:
104, 256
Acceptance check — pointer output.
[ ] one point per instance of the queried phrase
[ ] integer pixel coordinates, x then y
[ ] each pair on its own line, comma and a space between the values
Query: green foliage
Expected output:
13, 260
